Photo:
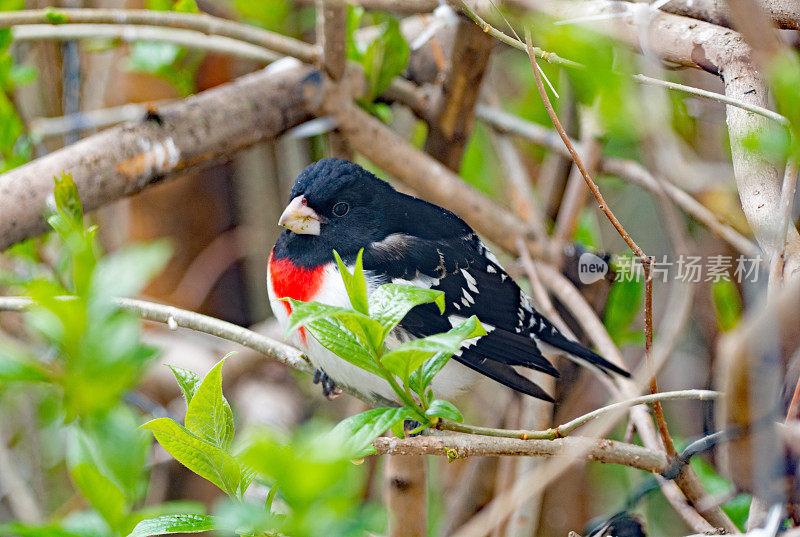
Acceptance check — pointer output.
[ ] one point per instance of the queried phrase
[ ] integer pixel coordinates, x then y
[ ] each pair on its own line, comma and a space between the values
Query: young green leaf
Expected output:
337, 338
355, 283
125, 272
423, 376
55, 16
368, 331
727, 304
385, 58
187, 380
201, 456
406, 358
209, 415
356, 433
354, 16
444, 409
68, 201
101, 492
17, 366
163, 525
390, 302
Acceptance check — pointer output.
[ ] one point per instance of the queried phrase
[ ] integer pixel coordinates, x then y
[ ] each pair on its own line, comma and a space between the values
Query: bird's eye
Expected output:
341, 208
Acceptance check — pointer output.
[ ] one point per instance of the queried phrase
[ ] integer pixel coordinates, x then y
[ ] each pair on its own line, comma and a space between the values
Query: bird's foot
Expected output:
329, 388
410, 425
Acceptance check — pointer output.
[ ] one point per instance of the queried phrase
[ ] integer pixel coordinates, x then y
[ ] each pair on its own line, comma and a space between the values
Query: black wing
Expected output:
474, 284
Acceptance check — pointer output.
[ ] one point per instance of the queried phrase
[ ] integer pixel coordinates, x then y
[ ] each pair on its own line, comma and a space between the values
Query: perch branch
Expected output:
461, 446
281, 352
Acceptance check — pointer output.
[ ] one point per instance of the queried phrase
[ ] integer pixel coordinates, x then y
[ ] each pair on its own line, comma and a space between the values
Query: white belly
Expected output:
452, 380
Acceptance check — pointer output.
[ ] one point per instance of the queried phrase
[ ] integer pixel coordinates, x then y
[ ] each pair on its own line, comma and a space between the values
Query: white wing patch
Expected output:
472, 284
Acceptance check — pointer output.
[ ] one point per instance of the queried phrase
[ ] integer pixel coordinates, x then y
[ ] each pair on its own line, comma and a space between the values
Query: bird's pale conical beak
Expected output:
300, 218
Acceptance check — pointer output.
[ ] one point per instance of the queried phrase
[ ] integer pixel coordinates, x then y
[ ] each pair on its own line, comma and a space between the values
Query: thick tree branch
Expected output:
784, 13
124, 160
451, 121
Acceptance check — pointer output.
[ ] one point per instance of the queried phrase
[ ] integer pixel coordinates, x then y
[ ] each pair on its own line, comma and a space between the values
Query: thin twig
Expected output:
646, 260
202, 22
552, 57
128, 33
567, 428
172, 316
712, 96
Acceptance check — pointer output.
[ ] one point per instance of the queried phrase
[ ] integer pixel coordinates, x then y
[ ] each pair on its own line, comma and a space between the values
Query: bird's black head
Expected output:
334, 205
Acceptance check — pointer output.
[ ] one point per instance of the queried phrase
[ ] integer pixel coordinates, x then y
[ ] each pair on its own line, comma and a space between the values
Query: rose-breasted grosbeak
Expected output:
337, 205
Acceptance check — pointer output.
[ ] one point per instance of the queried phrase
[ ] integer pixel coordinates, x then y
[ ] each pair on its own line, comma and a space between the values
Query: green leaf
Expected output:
209, 415
727, 304
68, 201
348, 334
200, 456
101, 492
354, 16
186, 6
423, 376
355, 283
356, 433
113, 443
622, 307
55, 16
125, 272
337, 338
385, 58
17, 366
390, 303
19, 529
406, 358
183, 523
187, 380
444, 409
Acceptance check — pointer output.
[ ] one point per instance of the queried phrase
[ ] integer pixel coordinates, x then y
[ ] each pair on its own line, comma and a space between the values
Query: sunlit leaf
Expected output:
390, 303
356, 433
209, 415
354, 283
406, 358
200, 456
444, 409
187, 380
182, 523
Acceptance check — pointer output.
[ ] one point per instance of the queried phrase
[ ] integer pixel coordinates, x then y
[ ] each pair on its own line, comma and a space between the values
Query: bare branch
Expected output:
451, 121
126, 33
204, 23
406, 495
170, 315
460, 446
784, 13
124, 160
331, 28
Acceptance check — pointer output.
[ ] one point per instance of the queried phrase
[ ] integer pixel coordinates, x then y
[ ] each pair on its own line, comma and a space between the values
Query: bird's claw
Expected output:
329, 389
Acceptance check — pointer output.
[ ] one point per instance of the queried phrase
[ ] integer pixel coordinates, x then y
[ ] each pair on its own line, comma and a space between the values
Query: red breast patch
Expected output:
289, 280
